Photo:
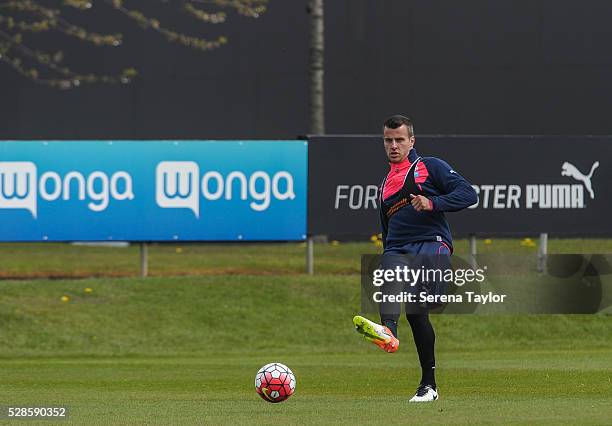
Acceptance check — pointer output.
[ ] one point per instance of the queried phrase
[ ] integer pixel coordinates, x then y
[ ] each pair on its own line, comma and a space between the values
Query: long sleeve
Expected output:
384, 223
457, 193
384, 227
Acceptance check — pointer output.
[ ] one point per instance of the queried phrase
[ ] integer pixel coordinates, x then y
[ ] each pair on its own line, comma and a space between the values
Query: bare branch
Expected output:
22, 20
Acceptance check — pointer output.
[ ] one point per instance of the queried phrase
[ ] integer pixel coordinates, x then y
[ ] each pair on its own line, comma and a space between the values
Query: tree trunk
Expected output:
317, 52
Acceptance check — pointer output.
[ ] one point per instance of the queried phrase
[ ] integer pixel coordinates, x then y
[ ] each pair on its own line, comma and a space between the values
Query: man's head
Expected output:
398, 136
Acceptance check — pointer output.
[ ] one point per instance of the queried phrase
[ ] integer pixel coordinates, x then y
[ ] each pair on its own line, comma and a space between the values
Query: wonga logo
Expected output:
178, 185
18, 186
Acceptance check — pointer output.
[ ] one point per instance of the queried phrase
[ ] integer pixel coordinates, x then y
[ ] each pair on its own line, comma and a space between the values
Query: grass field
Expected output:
68, 261
177, 349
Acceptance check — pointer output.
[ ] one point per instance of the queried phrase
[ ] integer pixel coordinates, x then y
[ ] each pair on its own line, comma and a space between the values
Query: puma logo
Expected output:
568, 169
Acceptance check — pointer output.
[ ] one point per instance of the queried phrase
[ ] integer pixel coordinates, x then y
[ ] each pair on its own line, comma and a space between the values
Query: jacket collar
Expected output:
412, 156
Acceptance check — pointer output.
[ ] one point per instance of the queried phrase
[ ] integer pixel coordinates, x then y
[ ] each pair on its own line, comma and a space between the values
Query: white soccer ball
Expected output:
275, 382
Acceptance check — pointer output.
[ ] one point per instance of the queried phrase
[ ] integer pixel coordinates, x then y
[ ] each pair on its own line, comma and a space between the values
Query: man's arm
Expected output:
384, 225
457, 192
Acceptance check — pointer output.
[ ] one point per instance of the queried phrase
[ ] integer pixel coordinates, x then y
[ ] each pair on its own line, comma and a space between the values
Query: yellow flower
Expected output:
488, 241
179, 250
65, 298
88, 290
528, 242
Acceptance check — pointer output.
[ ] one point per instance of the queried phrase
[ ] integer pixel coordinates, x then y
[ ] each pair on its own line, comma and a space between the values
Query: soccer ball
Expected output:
275, 382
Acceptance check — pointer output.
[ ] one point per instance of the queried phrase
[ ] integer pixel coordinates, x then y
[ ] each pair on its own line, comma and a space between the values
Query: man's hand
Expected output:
421, 203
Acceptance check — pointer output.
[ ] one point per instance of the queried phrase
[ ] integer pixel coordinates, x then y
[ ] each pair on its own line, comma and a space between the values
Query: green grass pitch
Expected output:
176, 349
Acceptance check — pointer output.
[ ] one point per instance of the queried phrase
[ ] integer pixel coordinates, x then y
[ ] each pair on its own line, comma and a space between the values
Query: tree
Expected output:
317, 67
23, 22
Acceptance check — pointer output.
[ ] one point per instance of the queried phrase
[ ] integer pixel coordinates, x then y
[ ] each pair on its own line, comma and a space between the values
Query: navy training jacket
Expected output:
432, 178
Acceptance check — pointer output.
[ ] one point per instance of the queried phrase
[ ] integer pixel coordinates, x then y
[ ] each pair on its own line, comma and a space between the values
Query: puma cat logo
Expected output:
568, 169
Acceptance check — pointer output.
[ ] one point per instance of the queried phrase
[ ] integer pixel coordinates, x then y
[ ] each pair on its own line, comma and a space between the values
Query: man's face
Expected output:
397, 143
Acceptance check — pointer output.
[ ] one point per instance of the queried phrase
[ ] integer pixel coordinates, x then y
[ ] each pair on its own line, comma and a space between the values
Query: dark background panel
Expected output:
478, 67
485, 160
256, 86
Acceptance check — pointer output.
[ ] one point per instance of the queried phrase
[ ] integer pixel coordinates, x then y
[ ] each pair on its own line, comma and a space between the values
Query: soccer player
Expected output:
413, 198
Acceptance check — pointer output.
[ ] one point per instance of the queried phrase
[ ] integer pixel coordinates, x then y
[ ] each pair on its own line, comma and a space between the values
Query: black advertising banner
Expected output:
525, 184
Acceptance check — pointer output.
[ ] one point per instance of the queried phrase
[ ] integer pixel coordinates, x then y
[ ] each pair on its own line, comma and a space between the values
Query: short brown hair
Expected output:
396, 121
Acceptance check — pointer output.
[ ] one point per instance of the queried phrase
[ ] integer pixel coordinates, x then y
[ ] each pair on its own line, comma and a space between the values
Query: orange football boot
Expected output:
378, 334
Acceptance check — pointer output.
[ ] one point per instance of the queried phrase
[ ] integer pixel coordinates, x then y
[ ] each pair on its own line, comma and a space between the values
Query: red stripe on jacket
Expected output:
397, 176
